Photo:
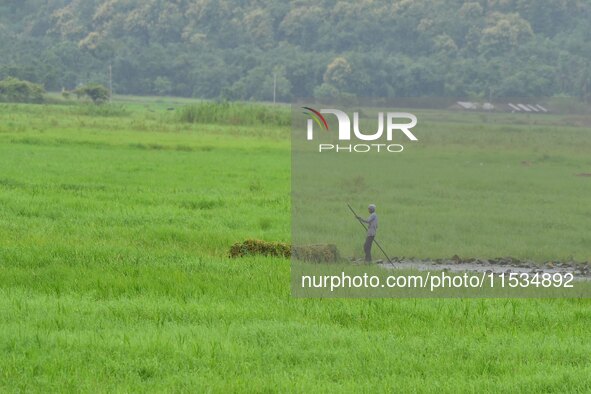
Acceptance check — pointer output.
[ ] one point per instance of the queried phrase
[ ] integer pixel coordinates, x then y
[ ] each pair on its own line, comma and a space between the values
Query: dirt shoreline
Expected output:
500, 266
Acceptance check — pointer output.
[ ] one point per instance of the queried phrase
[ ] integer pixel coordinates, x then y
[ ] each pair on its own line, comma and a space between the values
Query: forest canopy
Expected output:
238, 49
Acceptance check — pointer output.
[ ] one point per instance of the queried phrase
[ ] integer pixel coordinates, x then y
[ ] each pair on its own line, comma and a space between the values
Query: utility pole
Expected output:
110, 82
274, 86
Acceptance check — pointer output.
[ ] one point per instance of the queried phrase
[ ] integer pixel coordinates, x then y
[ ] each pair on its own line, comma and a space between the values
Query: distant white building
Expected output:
487, 106
468, 105
541, 108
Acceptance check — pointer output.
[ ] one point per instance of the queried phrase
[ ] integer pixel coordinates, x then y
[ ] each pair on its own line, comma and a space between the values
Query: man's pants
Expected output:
367, 247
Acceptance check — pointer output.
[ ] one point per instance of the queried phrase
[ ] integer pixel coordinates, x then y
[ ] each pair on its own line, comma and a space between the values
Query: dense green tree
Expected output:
232, 48
15, 90
94, 91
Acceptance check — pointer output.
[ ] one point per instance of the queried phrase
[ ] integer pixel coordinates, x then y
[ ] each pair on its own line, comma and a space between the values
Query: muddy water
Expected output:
579, 270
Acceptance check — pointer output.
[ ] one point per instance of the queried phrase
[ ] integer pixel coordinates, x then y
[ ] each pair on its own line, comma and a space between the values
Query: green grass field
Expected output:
114, 231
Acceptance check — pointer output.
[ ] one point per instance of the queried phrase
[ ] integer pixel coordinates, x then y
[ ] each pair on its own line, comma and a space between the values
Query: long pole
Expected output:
274, 86
110, 82
374, 240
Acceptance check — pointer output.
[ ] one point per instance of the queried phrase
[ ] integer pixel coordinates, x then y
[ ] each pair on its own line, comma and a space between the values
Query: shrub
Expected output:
94, 91
18, 91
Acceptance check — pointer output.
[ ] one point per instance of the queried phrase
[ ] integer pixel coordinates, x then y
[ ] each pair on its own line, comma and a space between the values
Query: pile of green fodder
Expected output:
311, 253
256, 247
320, 253
235, 113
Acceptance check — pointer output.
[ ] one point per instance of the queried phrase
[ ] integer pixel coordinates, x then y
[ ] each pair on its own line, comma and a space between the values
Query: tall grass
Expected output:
106, 110
235, 113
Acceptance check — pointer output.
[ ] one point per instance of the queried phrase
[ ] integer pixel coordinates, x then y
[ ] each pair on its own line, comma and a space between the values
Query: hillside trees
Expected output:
233, 48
